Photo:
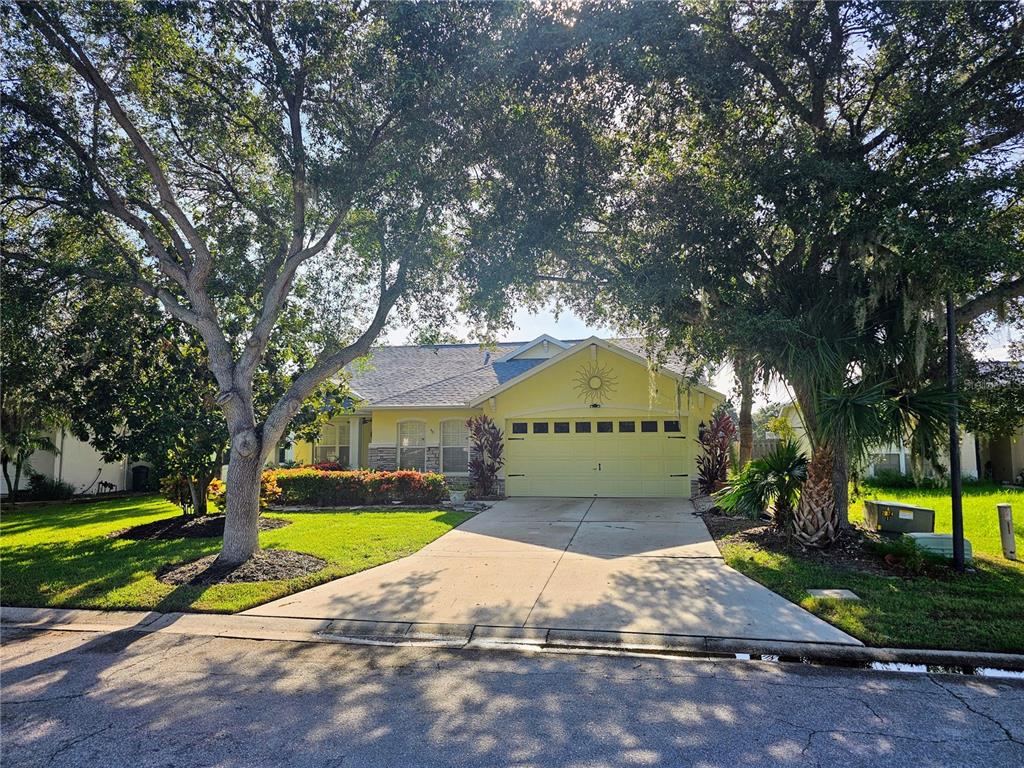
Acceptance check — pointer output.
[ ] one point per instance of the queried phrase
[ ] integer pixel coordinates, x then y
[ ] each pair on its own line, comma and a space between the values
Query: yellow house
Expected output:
580, 418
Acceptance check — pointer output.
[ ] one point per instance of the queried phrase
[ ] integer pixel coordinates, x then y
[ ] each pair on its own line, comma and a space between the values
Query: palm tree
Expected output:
775, 479
22, 433
855, 394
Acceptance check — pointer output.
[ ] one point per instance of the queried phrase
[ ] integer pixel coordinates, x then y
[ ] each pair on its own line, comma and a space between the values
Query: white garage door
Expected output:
597, 457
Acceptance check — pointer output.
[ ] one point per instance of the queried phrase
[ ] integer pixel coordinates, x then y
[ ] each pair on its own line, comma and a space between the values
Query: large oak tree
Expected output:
798, 186
221, 152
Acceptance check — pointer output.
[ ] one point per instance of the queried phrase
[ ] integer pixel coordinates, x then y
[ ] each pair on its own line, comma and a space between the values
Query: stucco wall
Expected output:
633, 392
76, 462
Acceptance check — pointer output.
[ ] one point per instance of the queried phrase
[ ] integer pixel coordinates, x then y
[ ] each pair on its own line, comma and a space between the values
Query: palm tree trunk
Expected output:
841, 486
815, 522
745, 375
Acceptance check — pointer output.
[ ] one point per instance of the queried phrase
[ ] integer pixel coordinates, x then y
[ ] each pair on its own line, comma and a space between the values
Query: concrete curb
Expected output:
486, 637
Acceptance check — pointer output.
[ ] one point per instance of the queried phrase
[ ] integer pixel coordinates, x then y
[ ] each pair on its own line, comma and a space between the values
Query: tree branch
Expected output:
990, 300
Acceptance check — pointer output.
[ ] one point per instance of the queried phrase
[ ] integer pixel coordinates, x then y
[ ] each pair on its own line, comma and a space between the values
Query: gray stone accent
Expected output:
433, 460
383, 458
694, 488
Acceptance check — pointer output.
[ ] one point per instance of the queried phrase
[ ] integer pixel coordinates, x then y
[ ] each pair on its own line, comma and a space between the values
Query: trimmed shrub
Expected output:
315, 487
43, 488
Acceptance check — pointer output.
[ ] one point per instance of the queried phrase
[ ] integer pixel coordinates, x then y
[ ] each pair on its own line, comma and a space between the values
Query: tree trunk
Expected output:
7, 479
198, 488
745, 375
841, 485
815, 523
241, 523
18, 462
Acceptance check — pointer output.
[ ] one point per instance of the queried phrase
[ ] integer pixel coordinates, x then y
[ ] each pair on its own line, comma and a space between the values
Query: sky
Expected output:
530, 325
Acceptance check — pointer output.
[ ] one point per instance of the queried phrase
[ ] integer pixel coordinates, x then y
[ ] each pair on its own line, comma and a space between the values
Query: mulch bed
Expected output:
182, 527
265, 565
851, 551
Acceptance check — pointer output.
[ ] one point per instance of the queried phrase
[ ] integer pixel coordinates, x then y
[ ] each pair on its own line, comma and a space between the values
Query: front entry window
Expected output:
412, 442
333, 444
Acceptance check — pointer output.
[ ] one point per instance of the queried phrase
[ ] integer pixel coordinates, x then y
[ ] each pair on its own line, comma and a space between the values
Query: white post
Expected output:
903, 458
1006, 531
354, 434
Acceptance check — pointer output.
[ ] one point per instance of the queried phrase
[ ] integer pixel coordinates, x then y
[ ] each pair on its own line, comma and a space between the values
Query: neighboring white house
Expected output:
78, 463
896, 457
1002, 459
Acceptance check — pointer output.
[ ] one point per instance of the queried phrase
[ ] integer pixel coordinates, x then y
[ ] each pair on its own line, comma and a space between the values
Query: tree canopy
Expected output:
224, 155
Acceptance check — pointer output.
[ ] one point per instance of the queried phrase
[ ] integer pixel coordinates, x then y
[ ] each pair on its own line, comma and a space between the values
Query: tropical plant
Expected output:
486, 455
771, 482
780, 426
715, 441
43, 488
22, 434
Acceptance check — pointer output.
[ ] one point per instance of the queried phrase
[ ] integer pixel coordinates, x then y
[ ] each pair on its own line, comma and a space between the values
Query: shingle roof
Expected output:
449, 374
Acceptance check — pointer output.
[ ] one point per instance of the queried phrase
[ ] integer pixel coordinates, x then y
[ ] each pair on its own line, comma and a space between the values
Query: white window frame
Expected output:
422, 447
339, 445
462, 424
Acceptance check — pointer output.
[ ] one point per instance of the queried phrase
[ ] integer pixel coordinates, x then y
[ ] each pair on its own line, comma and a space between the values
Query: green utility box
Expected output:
940, 544
896, 517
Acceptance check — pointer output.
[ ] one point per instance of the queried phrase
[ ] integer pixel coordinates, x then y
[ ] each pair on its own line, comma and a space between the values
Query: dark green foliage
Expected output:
772, 481
309, 486
888, 478
43, 488
993, 398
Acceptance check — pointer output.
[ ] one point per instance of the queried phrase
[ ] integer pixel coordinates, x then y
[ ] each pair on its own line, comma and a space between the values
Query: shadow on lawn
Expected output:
24, 519
978, 610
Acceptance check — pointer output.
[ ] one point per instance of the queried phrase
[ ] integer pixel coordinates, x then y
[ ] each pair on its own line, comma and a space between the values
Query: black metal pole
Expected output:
954, 439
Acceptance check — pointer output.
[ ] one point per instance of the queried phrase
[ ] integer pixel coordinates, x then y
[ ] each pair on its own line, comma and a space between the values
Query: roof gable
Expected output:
463, 375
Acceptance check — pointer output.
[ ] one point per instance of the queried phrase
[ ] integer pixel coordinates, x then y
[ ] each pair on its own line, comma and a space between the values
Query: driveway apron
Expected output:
626, 565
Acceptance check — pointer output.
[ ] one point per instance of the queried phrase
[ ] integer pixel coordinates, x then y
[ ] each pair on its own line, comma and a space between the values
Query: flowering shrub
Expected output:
269, 491
316, 487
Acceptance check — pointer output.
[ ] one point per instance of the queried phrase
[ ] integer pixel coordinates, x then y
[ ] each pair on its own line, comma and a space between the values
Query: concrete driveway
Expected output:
626, 565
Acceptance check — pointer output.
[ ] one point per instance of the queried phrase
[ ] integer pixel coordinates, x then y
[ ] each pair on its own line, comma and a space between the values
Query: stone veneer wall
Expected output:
433, 461
383, 458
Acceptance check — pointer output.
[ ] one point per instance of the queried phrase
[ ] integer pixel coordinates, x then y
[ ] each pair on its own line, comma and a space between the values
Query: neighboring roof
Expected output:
537, 342
456, 374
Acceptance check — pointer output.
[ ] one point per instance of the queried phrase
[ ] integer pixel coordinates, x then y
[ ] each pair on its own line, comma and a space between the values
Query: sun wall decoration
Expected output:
594, 382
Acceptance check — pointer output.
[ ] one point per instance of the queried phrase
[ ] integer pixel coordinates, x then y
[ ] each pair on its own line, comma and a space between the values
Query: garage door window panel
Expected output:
540, 427
583, 427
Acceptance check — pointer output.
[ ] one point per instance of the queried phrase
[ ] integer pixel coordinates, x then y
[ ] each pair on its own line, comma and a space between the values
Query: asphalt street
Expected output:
149, 699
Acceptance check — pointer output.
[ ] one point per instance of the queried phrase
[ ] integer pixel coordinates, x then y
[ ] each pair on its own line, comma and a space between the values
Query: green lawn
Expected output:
983, 610
62, 555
